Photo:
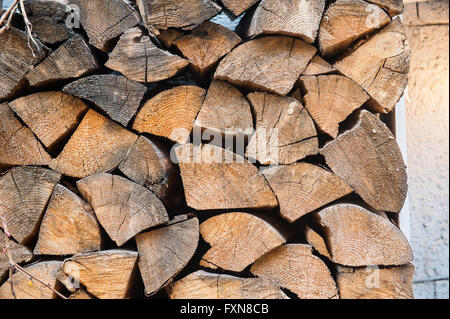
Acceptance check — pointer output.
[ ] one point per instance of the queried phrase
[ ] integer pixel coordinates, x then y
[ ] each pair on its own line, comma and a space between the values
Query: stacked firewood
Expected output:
147, 151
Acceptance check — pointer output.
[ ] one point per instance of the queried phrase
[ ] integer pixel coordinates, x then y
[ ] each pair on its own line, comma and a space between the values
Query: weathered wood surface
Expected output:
394, 7
237, 7
19, 253
318, 66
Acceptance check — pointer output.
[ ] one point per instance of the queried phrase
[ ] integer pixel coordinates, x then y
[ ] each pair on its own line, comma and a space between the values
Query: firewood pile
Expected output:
150, 152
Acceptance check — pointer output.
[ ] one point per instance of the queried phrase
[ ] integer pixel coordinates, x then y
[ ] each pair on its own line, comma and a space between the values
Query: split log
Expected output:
171, 114
26, 288
122, 207
105, 21
426, 13
19, 253
168, 37
237, 240
297, 18
318, 66
225, 110
380, 66
164, 252
330, 99
106, 274
139, 59
302, 188
237, 7
69, 226
285, 132
115, 95
271, 64
215, 178
17, 143
204, 285
375, 282
71, 60
317, 241
98, 145
16, 59
206, 45
357, 237
295, 268
24, 193
52, 116
81, 294
368, 158
393, 7
345, 22
183, 14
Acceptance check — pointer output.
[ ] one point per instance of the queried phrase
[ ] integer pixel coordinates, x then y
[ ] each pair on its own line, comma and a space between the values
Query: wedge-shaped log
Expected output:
98, 145
117, 96
19, 253
297, 18
139, 59
52, 116
183, 14
318, 66
356, 237
294, 267
107, 274
106, 21
302, 188
238, 6
375, 282
27, 288
206, 45
81, 294
380, 66
394, 7
330, 99
285, 132
71, 60
69, 226
215, 178
171, 114
18, 144
346, 21
204, 285
368, 158
237, 240
164, 252
271, 64
24, 193
122, 207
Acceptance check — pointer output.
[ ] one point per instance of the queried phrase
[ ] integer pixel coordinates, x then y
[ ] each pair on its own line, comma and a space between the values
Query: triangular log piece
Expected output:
19, 253
98, 145
394, 7
346, 21
52, 116
295, 268
164, 252
215, 178
368, 158
317, 241
122, 207
357, 237
330, 99
271, 63
297, 18
171, 114
18, 144
139, 59
375, 282
81, 294
24, 194
115, 95
237, 7
168, 37
204, 285
318, 66
237, 240
285, 132
302, 188
69, 226
107, 274
380, 66
104, 21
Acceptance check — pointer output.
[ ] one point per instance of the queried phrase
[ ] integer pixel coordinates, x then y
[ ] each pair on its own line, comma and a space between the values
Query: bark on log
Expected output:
215, 178
204, 285
270, 63
393, 7
168, 37
318, 66
69, 226
295, 268
19, 253
115, 95
237, 7
122, 207
368, 158
302, 188
237, 240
